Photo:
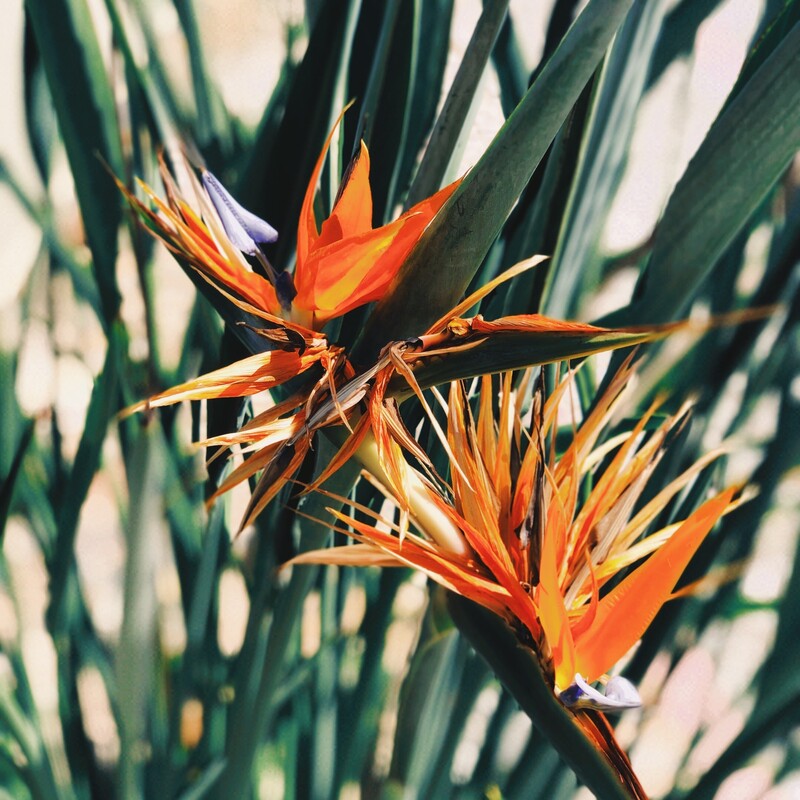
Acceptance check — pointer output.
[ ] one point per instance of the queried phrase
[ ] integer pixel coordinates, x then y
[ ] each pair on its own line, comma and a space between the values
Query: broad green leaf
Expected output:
435, 17
253, 709
679, 32
747, 150
778, 693
540, 210
776, 22
376, 75
41, 212
508, 63
392, 113
85, 107
202, 785
365, 701
213, 130
40, 117
9, 478
205, 582
156, 80
427, 701
442, 264
324, 742
561, 17
11, 419
475, 674
38, 774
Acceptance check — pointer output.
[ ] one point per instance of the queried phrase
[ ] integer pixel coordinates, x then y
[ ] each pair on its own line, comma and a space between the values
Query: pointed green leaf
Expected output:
9, 480
254, 706
136, 657
449, 128
426, 704
602, 159
434, 36
86, 112
678, 34
746, 152
212, 123
518, 349
103, 404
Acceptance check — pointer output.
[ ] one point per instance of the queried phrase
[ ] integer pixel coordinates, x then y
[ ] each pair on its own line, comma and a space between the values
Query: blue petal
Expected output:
245, 230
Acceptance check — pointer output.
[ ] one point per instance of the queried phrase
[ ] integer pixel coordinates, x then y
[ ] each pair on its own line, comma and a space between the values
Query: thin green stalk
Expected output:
450, 124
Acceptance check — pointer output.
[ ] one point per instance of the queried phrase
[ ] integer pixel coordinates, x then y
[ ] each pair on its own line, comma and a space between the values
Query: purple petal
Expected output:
620, 694
245, 230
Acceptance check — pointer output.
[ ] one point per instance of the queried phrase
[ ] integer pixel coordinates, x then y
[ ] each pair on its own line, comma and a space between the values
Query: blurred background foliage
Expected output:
146, 654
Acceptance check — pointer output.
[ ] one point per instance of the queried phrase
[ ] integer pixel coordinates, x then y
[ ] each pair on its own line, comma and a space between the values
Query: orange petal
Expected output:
350, 272
624, 614
240, 379
550, 602
352, 213
188, 237
429, 207
205, 257
307, 233
334, 279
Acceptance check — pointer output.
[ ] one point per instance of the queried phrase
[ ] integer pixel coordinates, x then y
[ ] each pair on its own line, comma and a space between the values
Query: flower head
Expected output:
533, 551
341, 265
347, 263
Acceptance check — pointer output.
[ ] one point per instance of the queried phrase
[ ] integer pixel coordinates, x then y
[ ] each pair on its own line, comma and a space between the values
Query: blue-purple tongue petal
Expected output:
620, 694
245, 230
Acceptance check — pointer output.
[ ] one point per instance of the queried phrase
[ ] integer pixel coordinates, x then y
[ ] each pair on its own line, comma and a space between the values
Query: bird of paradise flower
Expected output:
511, 532
341, 264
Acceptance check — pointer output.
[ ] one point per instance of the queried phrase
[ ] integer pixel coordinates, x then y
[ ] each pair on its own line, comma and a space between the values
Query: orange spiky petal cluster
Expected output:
535, 554
347, 262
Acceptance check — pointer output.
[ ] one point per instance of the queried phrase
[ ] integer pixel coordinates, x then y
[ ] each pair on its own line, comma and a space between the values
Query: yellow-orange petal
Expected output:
307, 233
625, 613
550, 602
358, 269
240, 379
352, 213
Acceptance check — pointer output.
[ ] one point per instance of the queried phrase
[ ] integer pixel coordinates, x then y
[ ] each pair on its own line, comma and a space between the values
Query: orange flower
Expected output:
347, 263
339, 267
526, 547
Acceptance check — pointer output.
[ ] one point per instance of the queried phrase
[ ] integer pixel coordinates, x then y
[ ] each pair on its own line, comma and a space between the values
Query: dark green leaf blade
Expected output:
103, 404
450, 124
603, 155
745, 153
9, 480
85, 108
